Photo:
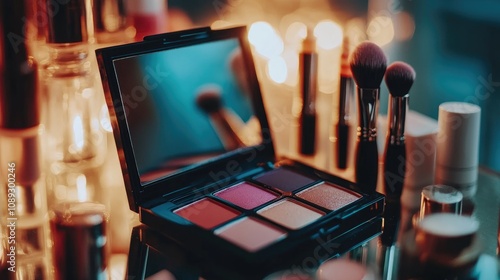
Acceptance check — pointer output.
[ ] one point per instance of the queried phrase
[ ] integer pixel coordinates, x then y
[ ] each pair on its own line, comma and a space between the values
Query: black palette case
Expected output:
198, 160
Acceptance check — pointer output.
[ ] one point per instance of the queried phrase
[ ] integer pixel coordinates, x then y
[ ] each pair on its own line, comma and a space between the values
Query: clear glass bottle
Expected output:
74, 135
75, 141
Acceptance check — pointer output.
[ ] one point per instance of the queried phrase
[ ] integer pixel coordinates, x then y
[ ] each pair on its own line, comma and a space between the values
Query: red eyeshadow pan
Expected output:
246, 196
207, 213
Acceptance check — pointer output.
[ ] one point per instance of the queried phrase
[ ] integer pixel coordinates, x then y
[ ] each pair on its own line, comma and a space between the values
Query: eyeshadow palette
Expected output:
198, 159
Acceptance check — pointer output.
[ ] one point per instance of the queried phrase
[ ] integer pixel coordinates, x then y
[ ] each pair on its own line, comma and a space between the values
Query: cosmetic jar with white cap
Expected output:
458, 146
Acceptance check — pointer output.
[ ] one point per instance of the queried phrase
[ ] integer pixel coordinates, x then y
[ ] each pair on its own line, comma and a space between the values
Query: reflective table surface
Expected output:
154, 256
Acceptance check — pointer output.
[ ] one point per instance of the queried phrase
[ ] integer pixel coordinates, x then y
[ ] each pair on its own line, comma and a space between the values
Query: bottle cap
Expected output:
79, 234
66, 21
458, 146
440, 199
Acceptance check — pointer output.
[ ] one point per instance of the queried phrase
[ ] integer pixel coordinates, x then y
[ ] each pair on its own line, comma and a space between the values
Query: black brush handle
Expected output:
366, 165
394, 170
392, 217
307, 135
394, 174
342, 145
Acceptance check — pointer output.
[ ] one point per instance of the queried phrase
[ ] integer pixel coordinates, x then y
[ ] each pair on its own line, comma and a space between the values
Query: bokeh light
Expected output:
328, 34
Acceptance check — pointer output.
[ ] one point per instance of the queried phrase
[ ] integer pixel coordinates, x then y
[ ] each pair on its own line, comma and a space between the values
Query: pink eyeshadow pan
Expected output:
207, 213
329, 196
250, 233
246, 196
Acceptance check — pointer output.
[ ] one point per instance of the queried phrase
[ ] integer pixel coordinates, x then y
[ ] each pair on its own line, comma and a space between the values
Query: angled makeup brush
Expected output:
399, 78
368, 64
225, 124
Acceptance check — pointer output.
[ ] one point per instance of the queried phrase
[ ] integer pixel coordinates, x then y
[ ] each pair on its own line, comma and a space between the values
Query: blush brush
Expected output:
399, 78
368, 64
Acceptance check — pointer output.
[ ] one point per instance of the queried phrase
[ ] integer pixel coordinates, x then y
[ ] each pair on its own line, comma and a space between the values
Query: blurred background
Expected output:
453, 46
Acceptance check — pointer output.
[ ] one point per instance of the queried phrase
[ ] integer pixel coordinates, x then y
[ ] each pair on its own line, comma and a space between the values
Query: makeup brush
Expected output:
368, 64
399, 78
209, 101
346, 92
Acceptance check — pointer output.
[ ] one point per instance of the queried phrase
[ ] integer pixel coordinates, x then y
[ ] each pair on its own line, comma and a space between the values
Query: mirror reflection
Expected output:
186, 105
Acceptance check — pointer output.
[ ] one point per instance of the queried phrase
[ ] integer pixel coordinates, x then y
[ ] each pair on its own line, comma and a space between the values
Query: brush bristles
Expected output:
399, 78
209, 101
368, 64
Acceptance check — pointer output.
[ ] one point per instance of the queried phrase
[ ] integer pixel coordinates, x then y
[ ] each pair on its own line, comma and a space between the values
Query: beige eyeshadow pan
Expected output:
291, 213
329, 196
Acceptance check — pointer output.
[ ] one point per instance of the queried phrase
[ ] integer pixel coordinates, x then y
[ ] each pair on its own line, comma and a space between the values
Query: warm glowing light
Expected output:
78, 133
81, 187
405, 27
277, 70
328, 34
296, 32
355, 29
292, 62
87, 93
259, 31
380, 30
220, 24
104, 119
265, 39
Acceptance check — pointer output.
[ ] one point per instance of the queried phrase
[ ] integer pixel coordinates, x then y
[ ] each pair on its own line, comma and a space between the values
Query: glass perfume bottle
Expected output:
75, 141
71, 107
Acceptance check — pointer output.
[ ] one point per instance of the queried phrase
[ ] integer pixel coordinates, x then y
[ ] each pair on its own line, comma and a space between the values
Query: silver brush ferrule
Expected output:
367, 113
397, 115
346, 99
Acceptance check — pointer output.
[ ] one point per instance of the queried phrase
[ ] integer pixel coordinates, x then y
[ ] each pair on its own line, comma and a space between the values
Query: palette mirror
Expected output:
186, 106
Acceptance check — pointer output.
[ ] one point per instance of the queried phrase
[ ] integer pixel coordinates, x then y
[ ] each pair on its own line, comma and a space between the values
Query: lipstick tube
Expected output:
308, 69
346, 92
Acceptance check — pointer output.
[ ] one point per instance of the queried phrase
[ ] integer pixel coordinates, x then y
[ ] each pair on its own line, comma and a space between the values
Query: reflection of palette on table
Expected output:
240, 207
